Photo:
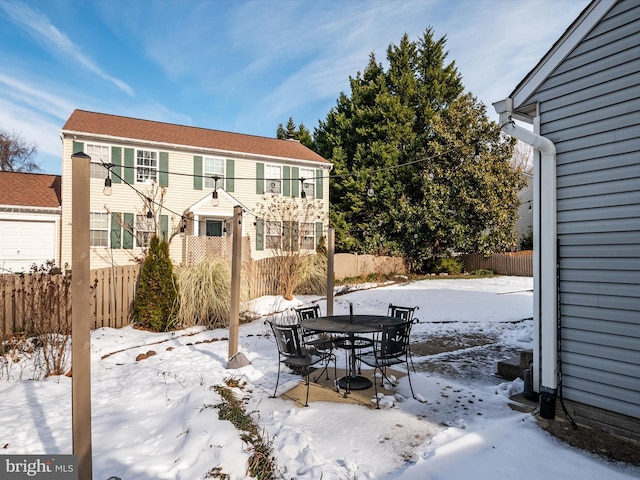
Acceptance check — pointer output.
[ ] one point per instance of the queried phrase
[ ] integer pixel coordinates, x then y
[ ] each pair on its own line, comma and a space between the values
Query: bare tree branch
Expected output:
16, 155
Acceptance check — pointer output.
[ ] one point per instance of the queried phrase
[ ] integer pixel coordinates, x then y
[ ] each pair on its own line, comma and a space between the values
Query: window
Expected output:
273, 179
308, 182
273, 233
99, 229
213, 167
144, 230
308, 234
99, 155
146, 166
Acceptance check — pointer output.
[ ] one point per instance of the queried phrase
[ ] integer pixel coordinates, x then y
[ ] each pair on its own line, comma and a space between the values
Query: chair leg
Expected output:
277, 381
306, 400
375, 388
409, 377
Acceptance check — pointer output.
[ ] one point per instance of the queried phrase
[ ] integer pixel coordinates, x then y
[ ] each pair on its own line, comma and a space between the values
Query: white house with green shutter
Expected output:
184, 182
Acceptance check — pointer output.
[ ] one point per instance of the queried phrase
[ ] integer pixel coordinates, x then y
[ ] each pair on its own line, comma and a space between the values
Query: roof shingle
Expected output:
30, 189
82, 121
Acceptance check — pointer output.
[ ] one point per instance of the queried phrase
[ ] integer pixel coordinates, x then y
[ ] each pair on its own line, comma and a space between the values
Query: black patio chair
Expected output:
405, 313
322, 341
293, 352
390, 347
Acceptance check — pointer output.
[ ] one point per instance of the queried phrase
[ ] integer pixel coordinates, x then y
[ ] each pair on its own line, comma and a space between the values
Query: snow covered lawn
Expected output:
152, 418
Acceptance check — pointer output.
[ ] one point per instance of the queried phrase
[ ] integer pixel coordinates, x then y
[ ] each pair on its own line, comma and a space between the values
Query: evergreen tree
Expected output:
302, 133
410, 135
156, 300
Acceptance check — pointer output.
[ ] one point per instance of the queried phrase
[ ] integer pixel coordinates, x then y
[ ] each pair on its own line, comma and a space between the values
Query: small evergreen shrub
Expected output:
449, 265
156, 301
482, 271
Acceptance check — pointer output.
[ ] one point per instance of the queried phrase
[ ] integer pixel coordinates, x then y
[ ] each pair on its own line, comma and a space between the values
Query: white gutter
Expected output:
545, 246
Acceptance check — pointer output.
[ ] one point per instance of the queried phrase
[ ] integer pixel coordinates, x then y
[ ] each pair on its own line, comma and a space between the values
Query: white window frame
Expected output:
272, 178
99, 228
147, 165
272, 234
307, 235
309, 183
144, 230
213, 167
100, 154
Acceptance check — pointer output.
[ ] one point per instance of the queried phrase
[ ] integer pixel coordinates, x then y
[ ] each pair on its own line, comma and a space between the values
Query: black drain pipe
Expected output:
559, 335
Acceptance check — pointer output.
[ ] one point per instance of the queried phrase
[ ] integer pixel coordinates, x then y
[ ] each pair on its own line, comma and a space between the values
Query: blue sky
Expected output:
242, 66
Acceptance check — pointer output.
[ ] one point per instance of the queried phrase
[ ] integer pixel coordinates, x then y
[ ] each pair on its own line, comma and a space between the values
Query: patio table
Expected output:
350, 325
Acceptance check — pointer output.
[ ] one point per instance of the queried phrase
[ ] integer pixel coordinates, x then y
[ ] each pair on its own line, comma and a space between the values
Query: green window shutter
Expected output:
230, 173
116, 159
286, 181
259, 234
295, 181
319, 230
129, 173
259, 178
163, 175
197, 172
116, 230
164, 227
319, 184
127, 235
78, 147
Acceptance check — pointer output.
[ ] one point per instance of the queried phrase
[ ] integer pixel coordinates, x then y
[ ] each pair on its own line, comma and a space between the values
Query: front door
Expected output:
214, 228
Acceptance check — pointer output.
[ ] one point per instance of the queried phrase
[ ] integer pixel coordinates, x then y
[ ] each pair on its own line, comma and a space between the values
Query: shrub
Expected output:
156, 301
449, 265
526, 241
482, 271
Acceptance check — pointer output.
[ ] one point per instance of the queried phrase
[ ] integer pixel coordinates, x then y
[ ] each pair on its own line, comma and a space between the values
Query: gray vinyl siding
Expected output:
590, 108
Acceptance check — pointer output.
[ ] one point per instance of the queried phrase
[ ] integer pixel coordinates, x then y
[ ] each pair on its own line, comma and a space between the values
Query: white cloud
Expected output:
39, 26
34, 96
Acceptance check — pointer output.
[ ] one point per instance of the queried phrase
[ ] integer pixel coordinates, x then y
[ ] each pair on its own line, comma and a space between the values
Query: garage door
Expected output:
23, 243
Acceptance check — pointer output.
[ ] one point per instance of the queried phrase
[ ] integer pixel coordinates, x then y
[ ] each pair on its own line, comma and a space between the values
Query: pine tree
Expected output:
410, 135
156, 300
302, 133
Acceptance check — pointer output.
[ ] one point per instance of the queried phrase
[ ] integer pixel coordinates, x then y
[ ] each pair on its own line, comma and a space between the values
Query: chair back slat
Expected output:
405, 313
304, 313
394, 340
287, 339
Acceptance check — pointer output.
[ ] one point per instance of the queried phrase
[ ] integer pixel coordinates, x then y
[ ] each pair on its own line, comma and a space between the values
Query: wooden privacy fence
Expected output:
111, 298
348, 265
113, 290
518, 263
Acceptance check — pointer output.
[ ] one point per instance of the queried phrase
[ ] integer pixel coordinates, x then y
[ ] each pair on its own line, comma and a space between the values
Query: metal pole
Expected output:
236, 263
80, 329
330, 267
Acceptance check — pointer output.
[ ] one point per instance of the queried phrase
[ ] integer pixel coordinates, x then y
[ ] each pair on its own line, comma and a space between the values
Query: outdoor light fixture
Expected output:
370, 191
183, 227
303, 194
107, 187
107, 181
476, 155
214, 195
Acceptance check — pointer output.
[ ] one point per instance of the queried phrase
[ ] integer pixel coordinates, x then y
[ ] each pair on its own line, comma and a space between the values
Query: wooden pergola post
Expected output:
80, 328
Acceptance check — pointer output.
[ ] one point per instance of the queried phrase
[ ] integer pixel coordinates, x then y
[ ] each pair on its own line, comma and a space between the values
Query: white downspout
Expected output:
545, 251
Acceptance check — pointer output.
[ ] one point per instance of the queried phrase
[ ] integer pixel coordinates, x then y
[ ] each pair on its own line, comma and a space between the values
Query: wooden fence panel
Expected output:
517, 263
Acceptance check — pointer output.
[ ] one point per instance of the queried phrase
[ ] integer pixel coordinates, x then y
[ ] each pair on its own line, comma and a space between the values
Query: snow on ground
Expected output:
153, 418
